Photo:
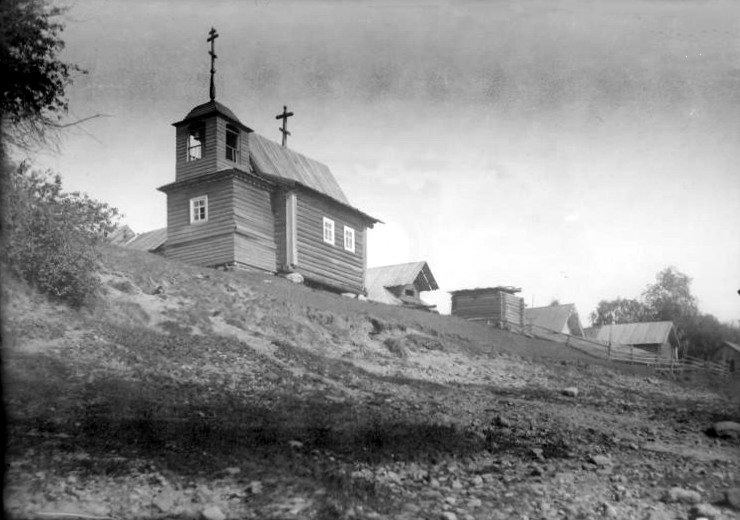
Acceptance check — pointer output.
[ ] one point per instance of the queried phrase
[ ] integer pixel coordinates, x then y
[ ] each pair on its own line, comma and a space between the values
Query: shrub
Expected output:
50, 237
396, 348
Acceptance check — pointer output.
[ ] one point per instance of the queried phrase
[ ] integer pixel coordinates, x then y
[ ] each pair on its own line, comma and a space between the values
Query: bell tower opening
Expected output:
196, 141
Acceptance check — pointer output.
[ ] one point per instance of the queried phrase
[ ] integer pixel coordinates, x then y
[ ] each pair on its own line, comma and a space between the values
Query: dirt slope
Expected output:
188, 392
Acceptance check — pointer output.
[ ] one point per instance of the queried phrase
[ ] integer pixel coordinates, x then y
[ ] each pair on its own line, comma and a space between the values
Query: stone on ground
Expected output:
732, 498
725, 429
707, 511
212, 513
294, 277
683, 496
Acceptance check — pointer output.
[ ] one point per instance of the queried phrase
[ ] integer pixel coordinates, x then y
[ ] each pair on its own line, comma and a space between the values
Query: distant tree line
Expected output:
669, 298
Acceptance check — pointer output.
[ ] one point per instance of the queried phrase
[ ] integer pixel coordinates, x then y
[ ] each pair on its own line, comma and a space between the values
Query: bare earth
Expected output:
193, 393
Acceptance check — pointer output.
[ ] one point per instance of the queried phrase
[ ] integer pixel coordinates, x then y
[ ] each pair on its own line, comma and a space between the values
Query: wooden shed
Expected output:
728, 353
240, 199
401, 284
557, 318
498, 306
656, 337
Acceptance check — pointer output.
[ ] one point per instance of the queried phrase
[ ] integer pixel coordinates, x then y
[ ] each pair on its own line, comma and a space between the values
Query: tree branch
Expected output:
79, 121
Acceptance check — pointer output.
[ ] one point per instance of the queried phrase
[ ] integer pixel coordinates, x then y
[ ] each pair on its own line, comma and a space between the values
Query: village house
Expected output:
728, 353
657, 337
557, 318
498, 306
241, 200
401, 284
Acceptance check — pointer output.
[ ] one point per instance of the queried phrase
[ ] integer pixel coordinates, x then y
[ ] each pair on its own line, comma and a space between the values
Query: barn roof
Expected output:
378, 278
647, 333
149, 241
552, 317
402, 274
121, 235
270, 158
733, 346
484, 290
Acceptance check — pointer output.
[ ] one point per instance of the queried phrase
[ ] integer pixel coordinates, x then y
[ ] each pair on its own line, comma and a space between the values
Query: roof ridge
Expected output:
402, 263
291, 150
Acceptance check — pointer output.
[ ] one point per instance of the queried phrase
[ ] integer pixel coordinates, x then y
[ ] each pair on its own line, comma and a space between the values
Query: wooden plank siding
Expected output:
496, 308
208, 251
255, 231
324, 263
222, 163
240, 220
291, 243
214, 151
220, 217
278, 205
185, 169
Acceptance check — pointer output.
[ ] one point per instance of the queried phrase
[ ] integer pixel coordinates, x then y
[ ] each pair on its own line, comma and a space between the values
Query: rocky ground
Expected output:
192, 393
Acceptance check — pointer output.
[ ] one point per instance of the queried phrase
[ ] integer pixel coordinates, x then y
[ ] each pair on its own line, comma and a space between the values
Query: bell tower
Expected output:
211, 155
210, 138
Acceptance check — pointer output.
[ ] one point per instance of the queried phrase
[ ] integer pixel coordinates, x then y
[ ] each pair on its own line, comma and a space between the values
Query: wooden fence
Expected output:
628, 354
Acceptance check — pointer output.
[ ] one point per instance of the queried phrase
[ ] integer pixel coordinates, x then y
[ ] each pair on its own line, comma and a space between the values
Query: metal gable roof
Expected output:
647, 333
270, 158
381, 295
148, 241
401, 274
552, 317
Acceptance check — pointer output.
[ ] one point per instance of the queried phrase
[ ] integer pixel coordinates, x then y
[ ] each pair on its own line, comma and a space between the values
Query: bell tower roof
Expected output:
211, 108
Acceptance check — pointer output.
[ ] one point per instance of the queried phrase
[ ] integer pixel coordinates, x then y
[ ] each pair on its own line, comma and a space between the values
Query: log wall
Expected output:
214, 151
185, 169
494, 307
255, 232
203, 243
324, 263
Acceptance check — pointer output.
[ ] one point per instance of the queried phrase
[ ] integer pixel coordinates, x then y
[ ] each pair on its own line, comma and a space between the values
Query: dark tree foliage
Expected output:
32, 76
669, 298
621, 310
49, 237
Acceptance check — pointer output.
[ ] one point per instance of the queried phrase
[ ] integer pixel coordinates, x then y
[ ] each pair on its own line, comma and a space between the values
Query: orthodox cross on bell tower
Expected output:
212, 35
284, 116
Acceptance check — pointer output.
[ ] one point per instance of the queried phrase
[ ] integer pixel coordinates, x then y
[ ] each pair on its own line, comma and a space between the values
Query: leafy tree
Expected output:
670, 298
32, 77
49, 237
620, 310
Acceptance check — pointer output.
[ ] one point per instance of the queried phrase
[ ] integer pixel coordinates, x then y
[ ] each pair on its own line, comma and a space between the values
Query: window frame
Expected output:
234, 130
327, 221
193, 202
201, 146
351, 245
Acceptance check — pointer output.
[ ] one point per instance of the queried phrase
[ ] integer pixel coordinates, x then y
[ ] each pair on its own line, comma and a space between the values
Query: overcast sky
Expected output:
570, 148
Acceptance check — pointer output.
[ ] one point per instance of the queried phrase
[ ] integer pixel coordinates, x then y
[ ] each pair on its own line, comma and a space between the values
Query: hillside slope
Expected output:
188, 391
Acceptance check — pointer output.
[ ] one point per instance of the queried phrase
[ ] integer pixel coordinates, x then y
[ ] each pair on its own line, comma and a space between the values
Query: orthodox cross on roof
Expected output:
212, 35
284, 116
